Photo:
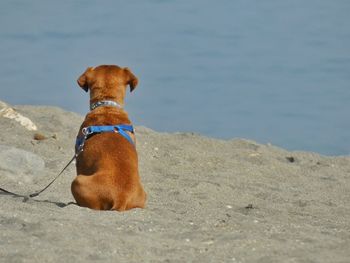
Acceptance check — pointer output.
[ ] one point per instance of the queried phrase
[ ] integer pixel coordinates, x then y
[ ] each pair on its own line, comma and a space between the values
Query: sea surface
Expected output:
274, 71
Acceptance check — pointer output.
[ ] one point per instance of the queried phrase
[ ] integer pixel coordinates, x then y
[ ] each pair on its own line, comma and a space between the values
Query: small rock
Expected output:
290, 159
39, 137
10, 113
249, 206
208, 242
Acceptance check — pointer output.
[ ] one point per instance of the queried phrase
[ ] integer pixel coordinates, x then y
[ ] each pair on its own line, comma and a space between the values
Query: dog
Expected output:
107, 163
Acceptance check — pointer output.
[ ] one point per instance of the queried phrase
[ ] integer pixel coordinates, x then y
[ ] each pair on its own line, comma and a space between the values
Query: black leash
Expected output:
42, 190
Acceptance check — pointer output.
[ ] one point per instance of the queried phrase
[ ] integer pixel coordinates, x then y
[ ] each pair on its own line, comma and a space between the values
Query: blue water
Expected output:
274, 71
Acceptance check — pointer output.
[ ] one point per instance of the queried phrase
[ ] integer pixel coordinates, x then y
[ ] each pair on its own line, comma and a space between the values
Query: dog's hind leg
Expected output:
89, 194
121, 202
139, 199
130, 201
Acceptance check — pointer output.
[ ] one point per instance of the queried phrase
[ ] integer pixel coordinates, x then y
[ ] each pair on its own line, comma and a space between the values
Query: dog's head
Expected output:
107, 82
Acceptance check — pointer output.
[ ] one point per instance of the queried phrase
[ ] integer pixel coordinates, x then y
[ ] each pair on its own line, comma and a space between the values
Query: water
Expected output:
271, 71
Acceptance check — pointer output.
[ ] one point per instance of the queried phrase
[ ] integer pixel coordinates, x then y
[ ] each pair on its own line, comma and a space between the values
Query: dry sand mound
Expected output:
208, 200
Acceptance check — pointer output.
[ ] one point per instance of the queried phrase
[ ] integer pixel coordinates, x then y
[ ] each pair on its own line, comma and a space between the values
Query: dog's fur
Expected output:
107, 169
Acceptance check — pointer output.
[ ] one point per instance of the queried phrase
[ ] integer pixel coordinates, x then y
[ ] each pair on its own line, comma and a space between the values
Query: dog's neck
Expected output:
109, 103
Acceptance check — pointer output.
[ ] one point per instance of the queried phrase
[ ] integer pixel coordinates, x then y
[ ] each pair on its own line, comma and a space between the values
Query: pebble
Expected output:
39, 137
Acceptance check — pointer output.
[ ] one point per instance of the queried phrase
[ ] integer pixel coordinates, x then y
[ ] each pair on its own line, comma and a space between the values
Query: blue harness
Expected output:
122, 129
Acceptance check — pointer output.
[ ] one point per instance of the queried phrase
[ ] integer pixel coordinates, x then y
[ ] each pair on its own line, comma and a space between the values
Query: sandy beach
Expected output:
209, 200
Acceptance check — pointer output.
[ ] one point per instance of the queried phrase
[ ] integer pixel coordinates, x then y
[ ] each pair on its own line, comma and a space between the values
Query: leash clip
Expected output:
80, 147
85, 131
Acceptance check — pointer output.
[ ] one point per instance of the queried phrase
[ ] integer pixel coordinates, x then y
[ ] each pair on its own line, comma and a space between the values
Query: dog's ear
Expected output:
132, 80
82, 80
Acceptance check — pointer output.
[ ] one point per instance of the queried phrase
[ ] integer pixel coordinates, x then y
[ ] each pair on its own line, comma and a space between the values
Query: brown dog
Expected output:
107, 165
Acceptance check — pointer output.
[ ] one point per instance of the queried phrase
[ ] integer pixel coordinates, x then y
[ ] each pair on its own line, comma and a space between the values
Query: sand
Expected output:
209, 200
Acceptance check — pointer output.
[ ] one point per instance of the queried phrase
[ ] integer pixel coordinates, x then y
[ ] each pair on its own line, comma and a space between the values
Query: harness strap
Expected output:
122, 129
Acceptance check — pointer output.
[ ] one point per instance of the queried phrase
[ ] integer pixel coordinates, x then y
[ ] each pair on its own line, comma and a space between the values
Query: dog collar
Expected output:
110, 103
